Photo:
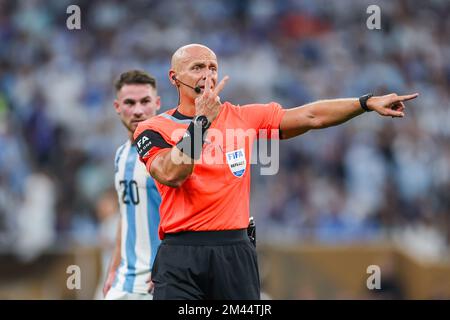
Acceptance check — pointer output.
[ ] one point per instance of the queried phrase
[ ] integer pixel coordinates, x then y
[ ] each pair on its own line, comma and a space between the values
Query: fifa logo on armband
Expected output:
141, 142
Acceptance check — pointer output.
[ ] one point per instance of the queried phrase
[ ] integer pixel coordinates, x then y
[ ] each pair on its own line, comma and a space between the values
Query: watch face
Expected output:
203, 121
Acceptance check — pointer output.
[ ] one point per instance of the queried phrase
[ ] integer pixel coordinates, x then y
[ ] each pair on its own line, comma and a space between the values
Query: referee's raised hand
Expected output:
390, 104
208, 103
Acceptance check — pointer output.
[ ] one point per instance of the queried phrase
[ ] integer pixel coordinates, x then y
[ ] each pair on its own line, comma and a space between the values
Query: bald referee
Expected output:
205, 251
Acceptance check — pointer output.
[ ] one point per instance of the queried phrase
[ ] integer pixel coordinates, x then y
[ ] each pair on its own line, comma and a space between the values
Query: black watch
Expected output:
363, 101
202, 121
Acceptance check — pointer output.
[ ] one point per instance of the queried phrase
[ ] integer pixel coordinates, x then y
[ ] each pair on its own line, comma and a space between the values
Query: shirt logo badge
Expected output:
237, 162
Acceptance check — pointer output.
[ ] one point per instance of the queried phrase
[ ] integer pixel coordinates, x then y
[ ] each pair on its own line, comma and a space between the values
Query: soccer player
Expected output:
137, 239
205, 251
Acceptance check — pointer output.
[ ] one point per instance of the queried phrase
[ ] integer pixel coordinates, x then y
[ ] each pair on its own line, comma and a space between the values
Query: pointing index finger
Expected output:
407, 97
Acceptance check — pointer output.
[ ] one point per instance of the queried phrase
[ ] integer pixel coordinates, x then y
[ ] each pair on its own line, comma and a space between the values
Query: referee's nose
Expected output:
212, 75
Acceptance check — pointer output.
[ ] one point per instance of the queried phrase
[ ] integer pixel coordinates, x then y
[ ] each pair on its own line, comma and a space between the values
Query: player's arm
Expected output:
327, 113
115, 261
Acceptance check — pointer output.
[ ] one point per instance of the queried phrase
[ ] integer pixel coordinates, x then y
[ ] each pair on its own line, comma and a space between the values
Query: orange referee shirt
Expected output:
216, 195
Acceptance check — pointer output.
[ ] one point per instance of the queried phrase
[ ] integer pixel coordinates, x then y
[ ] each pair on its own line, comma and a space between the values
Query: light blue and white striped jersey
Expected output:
139, 202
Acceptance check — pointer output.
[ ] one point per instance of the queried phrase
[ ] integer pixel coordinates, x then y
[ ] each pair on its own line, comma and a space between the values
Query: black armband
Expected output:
147, 140
191, 143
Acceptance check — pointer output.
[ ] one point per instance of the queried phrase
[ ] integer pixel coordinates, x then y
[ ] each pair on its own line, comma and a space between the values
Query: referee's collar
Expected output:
180, 116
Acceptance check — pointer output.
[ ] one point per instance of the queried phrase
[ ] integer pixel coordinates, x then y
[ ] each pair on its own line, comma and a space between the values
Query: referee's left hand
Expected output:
390, 104
208, 103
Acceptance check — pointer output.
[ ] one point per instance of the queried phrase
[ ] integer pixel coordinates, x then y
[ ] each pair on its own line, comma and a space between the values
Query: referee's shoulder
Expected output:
155, 123
157, 119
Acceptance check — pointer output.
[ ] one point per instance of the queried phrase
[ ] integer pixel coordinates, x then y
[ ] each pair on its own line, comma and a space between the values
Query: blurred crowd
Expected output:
371, 179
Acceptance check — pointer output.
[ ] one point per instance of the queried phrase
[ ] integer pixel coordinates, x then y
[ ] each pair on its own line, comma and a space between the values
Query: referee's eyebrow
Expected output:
203, 64
198, 64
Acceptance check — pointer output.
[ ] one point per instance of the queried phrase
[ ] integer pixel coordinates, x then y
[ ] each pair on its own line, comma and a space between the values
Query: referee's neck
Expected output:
187, 109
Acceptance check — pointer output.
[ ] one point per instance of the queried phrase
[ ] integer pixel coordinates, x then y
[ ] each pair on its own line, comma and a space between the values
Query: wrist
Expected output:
364, 102
202, 121
191, 143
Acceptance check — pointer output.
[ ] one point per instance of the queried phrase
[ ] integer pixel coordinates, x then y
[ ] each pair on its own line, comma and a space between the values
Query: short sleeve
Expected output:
263, 116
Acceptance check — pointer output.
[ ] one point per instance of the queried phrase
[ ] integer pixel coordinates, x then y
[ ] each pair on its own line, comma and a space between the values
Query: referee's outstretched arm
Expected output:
327, 113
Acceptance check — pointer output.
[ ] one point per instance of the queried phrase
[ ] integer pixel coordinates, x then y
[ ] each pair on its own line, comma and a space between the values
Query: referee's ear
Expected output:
173, 77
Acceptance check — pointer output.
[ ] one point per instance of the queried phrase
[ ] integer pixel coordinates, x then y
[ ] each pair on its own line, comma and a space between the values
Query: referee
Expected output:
205, 251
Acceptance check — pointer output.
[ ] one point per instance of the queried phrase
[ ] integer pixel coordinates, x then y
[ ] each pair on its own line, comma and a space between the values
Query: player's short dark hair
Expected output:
134, 77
